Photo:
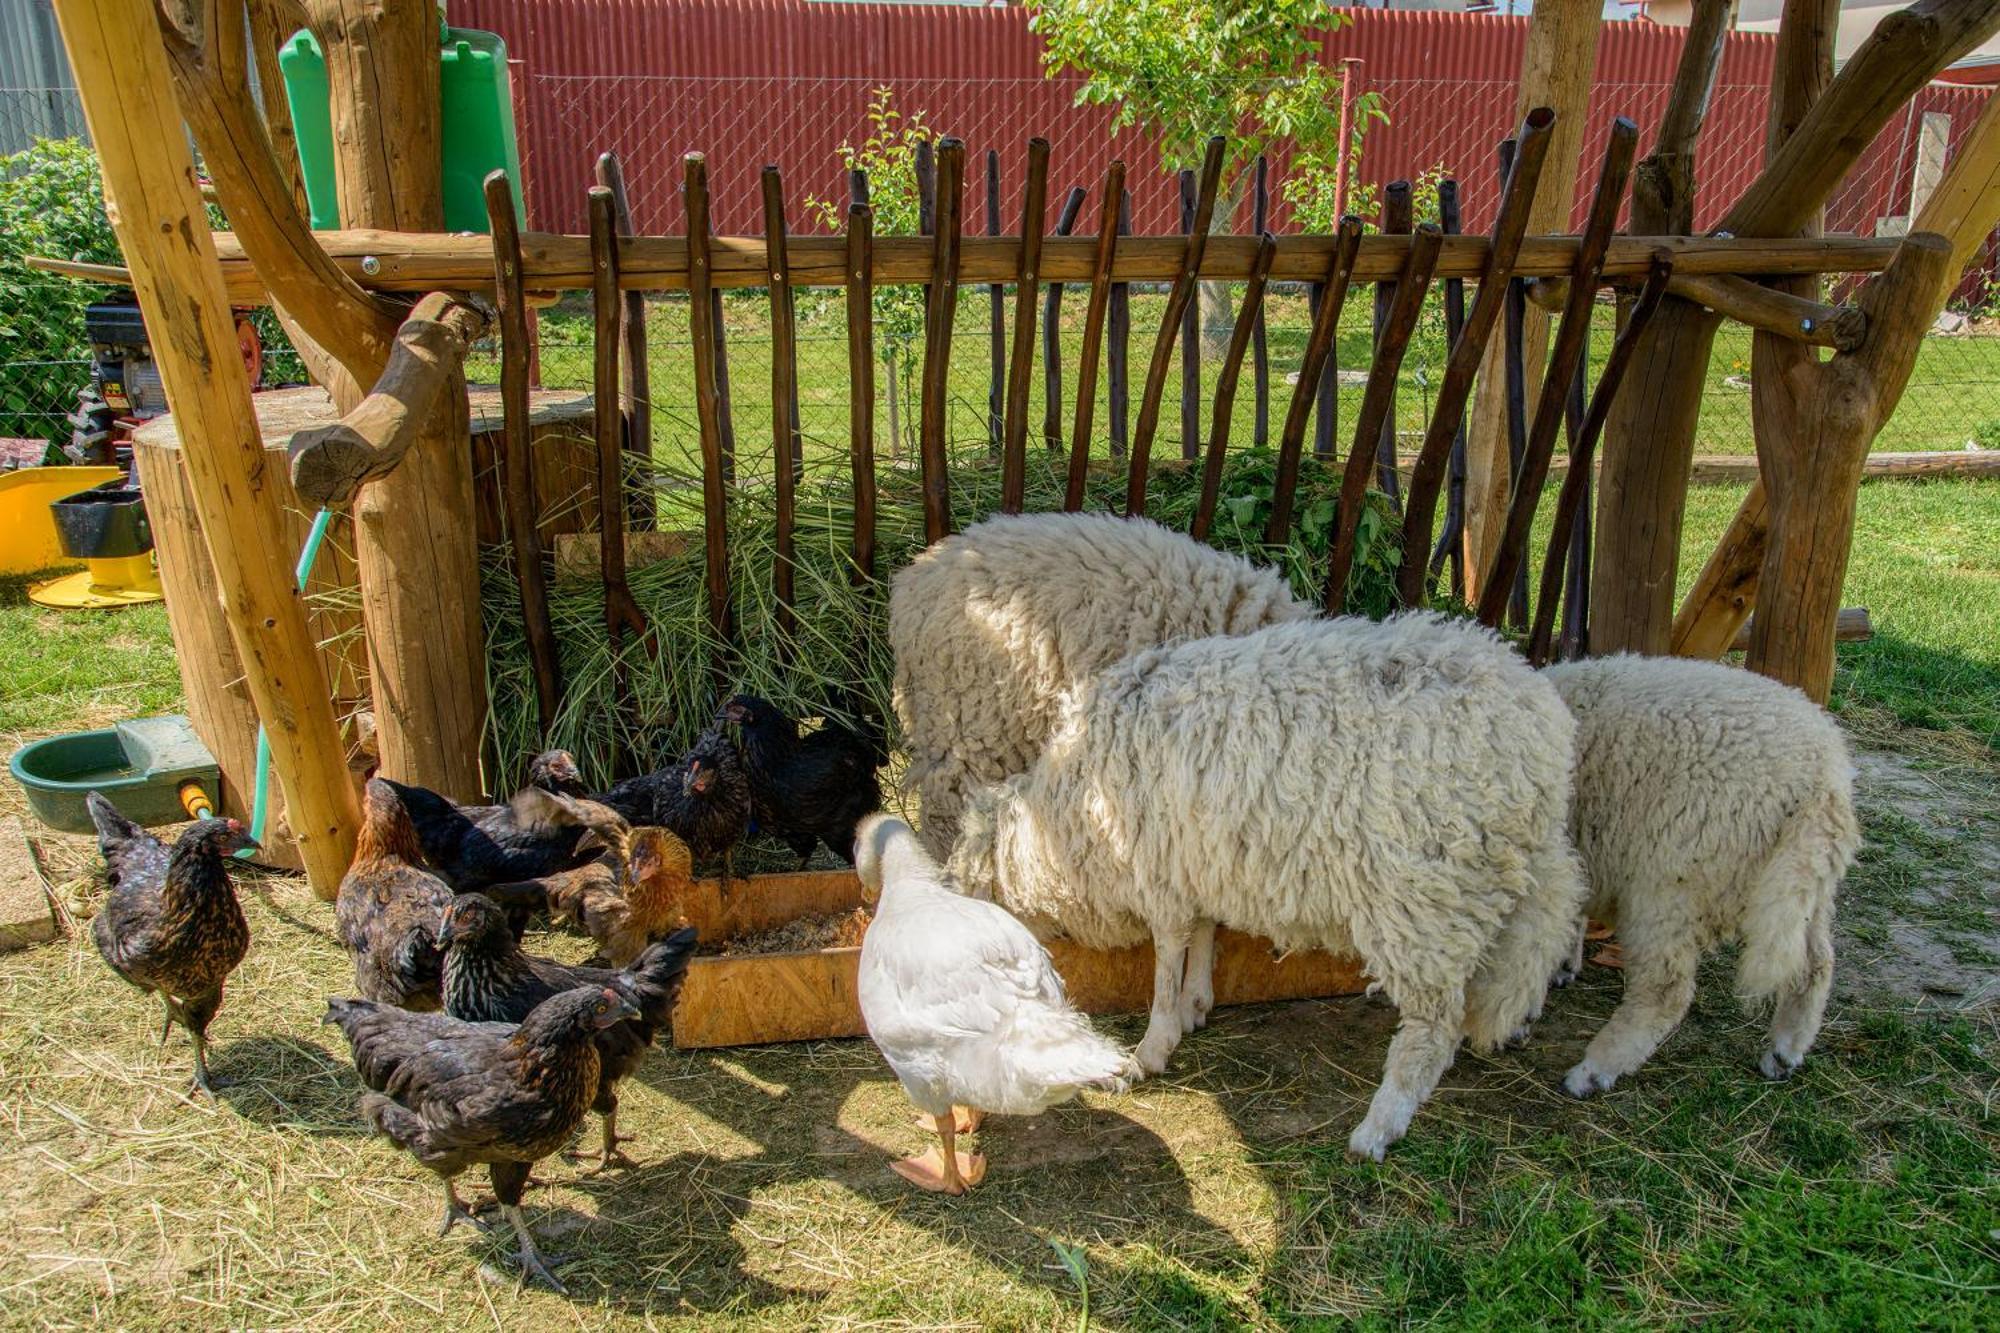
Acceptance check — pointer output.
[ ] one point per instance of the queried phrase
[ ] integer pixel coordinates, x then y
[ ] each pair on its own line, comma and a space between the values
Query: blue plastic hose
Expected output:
260, 810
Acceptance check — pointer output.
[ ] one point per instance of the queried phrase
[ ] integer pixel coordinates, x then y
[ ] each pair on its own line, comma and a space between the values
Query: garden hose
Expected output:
261, 806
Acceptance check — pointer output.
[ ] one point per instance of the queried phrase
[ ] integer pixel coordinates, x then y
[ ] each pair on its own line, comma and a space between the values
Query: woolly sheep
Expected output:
1396, 790
1711, 804
991, 626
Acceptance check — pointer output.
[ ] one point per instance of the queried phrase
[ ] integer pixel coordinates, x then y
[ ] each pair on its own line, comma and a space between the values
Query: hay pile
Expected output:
838, 662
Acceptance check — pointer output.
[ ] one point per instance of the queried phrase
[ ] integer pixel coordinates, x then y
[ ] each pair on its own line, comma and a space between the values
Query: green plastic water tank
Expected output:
478, 120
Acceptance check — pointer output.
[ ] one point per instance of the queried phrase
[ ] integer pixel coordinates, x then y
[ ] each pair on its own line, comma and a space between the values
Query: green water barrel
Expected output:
478, 124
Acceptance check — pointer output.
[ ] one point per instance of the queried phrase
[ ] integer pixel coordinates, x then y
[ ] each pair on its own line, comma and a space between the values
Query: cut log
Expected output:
1852, 626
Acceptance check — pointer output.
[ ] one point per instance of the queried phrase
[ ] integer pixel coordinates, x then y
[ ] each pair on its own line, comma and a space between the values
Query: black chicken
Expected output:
806, 790
453, 1094
703, 799
533, 834
488, 979
171, 924
390, 907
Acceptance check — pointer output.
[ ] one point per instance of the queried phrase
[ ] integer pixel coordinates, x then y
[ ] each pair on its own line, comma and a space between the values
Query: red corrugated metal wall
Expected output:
786, 81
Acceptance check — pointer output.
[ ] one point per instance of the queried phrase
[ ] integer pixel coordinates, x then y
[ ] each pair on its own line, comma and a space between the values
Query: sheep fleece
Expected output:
992, 626
1711, 804
1398, 790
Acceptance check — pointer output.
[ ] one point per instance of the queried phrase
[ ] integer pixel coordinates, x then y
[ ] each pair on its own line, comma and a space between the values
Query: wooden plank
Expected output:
1378, 408
637, 377
419, 262
702, 325
1014, 448
1249, 319
1052, 335
517, 473
940, 312
787, 452
1572, 338
861, 377
1197, 212
1569, 502
1319, 344
1852, 625
1093, 335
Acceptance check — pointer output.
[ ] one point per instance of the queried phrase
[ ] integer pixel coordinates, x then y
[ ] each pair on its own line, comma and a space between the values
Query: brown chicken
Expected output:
390, 907
453, 1094
634, 894
488, 979
171, 924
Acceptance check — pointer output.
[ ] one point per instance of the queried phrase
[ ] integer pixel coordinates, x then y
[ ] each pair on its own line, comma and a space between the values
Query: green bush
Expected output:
50, 204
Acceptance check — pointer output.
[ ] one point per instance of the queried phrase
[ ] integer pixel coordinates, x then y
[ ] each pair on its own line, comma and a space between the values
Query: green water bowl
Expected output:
140, 765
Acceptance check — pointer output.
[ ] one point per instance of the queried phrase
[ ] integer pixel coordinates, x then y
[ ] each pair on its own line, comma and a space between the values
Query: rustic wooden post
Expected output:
622, 615
636, 398
1093, 336
517, 468
1398, 217
1260, 347
1193, 217
996, 317
941, 312
1118, 351
1014, 449
708, 413
1052, 438
414, 534
1649, 441
1319, 347
861, 375
787, 451
156, 210
1173, 323
1556, 71
1961, 209
1249, 319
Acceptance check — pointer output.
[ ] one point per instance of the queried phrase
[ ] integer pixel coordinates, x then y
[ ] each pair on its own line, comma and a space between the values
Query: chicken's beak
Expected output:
445, 933
695, 781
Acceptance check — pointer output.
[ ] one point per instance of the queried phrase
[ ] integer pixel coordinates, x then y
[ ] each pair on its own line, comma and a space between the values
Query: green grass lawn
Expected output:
1862, 1194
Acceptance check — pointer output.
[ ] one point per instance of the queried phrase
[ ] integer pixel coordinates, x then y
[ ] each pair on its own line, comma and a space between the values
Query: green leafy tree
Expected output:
1186, 70
889, 156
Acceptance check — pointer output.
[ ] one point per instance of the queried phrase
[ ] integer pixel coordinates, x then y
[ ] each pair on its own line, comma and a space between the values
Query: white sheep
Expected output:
992, 626
1394, 790
1711, 805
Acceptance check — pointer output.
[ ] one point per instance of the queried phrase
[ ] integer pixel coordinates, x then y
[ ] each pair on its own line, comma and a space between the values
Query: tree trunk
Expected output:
413, 528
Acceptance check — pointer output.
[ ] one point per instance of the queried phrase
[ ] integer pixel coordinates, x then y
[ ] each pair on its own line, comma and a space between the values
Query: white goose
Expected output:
964, 1004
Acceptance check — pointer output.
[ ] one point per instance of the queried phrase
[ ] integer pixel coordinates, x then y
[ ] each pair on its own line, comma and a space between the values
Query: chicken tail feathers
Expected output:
653, 981
112, 827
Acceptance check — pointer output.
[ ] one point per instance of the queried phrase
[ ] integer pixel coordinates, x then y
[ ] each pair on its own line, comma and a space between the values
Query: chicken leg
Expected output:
610, 1155
940, 1168
455, 1211
533, 1262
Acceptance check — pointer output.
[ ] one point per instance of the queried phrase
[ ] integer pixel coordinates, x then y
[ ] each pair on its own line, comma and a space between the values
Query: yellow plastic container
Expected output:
28, 540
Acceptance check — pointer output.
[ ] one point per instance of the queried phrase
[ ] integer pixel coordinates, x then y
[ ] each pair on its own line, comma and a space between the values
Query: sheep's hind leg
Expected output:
1658, 993
1571, 967
1419, 1053
1198, 984
1163, 1028
1795, 1022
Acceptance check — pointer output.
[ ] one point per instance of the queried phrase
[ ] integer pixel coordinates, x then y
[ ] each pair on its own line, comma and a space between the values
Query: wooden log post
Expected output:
1173, 324
1014, 449
1556, 70
1319, 347
1649, 441
414, 530
1260, 342
1093, 337
715, 461
861, 377
1249, 320
940, 319
1052, 437
636, 377
622, 615
155, 209
1962, 209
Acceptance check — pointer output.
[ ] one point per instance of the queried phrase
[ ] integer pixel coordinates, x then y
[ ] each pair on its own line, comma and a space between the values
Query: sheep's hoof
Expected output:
1367, 1144
1583, 1081
1564, 977
1778, 1068
1518, 1037
1153, 1055
1194, 1016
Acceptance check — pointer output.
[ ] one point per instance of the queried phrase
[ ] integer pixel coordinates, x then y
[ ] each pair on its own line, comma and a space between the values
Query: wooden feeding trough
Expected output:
808, 995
